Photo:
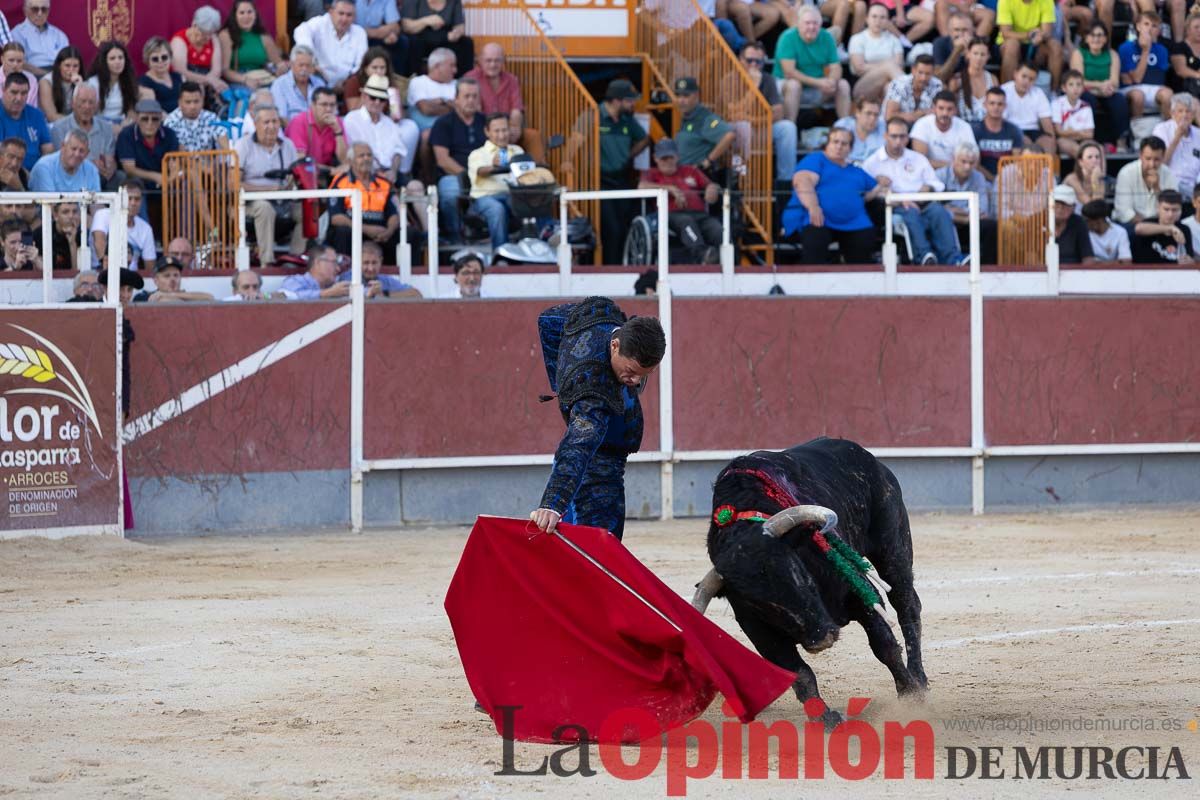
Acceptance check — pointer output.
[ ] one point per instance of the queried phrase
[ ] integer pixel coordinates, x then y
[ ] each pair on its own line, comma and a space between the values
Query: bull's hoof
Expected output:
915, 693
831, 719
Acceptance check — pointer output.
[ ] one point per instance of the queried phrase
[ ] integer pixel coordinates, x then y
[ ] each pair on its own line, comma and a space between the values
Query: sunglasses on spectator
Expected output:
161, 57
39, 9
757, 62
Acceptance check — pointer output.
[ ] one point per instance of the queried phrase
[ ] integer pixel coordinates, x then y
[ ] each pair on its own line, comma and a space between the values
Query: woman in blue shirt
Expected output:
830, 203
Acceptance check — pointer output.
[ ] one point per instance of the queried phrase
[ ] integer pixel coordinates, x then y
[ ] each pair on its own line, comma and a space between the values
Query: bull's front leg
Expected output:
775, 647
890, 654
908, 612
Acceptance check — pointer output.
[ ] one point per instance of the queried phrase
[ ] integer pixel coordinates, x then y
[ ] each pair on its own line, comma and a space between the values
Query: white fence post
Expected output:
726, 246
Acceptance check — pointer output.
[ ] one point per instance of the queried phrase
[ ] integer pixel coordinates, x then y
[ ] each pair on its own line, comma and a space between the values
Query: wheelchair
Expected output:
641, 242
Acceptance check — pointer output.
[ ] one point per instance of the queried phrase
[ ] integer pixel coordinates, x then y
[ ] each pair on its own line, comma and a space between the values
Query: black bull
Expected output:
783, 590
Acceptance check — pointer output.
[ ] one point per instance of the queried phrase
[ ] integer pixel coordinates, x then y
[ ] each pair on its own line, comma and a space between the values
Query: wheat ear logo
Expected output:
36, 365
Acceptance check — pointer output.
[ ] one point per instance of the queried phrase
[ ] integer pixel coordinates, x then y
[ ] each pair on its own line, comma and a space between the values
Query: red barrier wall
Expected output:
480, 397
1092, 370
462, 379
757, 372
293, 415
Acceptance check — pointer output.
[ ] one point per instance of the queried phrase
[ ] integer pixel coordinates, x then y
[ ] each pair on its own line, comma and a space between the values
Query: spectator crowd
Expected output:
933, 94
373, 95
381, 96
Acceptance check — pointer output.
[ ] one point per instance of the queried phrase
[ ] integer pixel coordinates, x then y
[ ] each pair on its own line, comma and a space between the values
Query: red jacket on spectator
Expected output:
691, 180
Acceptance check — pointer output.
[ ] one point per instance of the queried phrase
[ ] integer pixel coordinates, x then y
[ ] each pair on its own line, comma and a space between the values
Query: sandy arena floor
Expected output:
323, 665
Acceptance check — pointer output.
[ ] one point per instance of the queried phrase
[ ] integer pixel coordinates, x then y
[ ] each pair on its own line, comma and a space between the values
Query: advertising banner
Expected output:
59, 457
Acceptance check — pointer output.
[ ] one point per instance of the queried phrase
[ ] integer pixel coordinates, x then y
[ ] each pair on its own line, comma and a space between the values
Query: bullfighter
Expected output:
598, 362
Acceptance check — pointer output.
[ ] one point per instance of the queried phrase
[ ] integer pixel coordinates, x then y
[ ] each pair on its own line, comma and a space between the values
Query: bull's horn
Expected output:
708, 586
789, 518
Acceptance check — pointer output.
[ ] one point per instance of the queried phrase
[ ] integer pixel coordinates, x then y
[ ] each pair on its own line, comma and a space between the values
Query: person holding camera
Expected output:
260, 153
19, 252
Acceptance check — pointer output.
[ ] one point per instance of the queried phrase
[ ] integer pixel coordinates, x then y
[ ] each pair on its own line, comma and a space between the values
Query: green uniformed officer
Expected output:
703, 137
621, 139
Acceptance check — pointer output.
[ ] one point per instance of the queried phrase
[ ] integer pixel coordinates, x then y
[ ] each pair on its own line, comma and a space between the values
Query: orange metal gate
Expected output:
200, 203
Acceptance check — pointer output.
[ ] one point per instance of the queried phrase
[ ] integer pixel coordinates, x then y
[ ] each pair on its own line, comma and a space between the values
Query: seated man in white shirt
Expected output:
432, 95
138, 233
489, 193
1028, 109
1182, 138
394, 144
1110, 242
930, 226
936, 136
338, 43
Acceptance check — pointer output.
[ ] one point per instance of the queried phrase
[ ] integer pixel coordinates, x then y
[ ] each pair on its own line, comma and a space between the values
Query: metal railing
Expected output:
1025, 210
676, 40
556, 102
200, 201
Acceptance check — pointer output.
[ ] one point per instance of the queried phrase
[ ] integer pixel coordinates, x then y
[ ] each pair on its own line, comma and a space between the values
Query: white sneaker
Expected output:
929, 258
843, 56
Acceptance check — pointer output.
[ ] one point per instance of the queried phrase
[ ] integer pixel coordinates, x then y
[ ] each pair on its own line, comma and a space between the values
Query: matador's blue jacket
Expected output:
601, 413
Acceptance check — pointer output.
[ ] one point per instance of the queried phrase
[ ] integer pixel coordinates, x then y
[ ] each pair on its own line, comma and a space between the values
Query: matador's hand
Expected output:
546, 519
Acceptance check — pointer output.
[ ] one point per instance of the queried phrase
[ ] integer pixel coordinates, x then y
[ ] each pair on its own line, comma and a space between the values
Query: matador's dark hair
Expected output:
643, 340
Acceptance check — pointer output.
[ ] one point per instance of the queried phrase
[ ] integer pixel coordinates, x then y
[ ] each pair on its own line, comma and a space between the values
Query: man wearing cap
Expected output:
140, 149
621, 139
688, 190
1070, 231
703, 137
394, 145
129, 283
168, 276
